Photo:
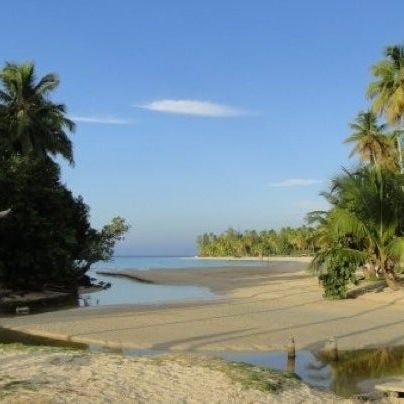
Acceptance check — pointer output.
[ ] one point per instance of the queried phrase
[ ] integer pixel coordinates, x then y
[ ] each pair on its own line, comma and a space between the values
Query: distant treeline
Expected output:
286, 241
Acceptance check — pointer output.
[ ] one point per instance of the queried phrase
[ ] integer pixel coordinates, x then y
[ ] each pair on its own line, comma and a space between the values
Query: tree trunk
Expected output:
391, 279
400, 154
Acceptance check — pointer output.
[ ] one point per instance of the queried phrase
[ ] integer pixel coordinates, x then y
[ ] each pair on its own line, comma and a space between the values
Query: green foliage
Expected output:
365, 224
387, 90
30, 123
47, 239
366, 221
339, 272
371, 141
287, 241
101, 247
43, 235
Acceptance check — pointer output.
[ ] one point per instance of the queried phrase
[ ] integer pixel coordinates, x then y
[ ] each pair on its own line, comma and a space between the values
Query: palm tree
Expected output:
367, 220
30, 122
371, 142
387, 91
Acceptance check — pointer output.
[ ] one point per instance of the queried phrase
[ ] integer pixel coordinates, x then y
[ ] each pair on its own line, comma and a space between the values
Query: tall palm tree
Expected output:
370, 140
387, 91
367, 221
30, 122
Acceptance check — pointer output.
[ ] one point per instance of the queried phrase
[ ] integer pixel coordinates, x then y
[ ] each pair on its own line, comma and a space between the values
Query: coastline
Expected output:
222, 280
259, 308
270, 258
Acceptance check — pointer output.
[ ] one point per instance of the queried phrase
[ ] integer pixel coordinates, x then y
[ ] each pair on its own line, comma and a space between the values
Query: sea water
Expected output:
129, 291
166, 262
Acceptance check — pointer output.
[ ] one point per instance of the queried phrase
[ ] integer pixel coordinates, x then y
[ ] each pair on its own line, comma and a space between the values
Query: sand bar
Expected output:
259, 309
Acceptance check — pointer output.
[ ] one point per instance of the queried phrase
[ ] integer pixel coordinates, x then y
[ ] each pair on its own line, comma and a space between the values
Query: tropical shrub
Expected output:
365, 223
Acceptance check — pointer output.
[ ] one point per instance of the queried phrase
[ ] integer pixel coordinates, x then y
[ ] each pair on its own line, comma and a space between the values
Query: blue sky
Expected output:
196, 116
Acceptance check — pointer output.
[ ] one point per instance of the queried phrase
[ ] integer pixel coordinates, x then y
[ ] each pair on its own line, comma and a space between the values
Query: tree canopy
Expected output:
31, 124
47, 240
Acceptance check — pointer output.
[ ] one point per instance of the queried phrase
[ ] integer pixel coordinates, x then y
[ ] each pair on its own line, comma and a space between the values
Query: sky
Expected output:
194, 116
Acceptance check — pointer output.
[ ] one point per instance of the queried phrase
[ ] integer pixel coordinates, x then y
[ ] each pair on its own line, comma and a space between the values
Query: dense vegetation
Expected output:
365, 223
287, 241
46, 240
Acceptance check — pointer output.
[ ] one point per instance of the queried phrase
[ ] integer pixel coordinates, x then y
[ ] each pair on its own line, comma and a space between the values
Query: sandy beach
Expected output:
257, 309
48, 375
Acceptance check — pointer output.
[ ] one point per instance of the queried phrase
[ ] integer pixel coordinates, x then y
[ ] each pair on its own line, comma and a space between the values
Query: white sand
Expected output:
56, 376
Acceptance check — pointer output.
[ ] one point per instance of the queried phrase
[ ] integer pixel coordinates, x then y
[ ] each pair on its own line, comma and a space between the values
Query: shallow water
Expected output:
356, 371
128, 291
145, 263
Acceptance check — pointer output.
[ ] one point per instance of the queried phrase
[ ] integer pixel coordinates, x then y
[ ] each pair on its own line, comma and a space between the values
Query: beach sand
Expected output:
259, 308
58, 376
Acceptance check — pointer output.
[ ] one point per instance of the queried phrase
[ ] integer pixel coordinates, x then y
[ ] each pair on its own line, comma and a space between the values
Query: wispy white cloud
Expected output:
101, 119
295, 182
192, 107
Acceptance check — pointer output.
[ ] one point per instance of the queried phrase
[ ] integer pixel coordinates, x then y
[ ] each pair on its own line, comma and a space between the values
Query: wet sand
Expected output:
258, 309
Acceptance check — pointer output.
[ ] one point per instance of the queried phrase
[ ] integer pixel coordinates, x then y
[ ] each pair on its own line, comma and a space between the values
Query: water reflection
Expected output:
356, 372
128, 291
356, 367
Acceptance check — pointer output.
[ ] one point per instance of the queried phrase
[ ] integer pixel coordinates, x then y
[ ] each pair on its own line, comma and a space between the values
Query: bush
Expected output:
339, 272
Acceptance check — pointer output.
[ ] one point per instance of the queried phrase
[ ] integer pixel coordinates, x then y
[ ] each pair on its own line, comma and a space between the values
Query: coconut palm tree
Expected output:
30, 122
367, 220
387, 91
370, 140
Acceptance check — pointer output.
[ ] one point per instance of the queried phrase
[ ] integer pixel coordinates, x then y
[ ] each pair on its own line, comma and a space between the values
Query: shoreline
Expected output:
274, 258
221, 280
260, 310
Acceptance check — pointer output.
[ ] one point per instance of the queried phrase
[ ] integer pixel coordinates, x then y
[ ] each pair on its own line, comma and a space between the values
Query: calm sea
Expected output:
128, 291
145, 263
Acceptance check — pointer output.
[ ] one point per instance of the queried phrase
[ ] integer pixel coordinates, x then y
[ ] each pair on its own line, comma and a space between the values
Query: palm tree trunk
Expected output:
387, 268
400, 154
372, 157
391, 281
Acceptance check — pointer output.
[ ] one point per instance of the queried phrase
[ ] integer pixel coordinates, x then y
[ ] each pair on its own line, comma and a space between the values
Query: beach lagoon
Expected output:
124, 290
128, 291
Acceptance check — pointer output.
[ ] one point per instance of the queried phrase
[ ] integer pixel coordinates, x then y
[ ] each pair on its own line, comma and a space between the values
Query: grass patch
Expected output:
249, 376
258, 378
